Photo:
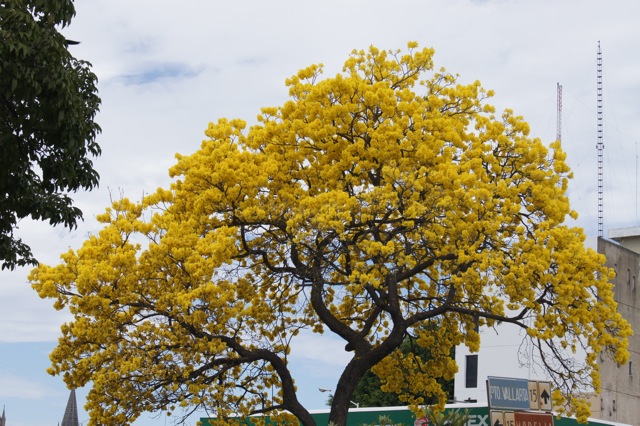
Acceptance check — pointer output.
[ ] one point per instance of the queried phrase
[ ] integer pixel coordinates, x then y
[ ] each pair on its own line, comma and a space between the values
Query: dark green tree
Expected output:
48, 134
368, 393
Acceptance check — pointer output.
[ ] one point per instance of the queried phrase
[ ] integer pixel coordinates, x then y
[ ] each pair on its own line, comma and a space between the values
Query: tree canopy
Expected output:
387, 200
47, 131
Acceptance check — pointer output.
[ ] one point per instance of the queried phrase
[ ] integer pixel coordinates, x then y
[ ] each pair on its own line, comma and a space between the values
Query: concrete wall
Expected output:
620, 397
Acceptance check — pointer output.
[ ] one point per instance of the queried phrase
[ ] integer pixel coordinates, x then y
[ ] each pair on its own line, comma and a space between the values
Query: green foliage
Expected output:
449, 418
384, 421
369, 394
47, 130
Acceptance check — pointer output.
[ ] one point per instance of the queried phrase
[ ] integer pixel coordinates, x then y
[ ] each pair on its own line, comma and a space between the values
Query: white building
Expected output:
502, 353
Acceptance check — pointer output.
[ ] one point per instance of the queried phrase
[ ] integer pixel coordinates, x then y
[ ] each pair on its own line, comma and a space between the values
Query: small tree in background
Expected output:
374, 204
370, 393
48, 103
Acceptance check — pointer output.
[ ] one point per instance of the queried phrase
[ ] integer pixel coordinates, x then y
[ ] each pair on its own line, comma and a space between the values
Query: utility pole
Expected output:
600, 145
559, 115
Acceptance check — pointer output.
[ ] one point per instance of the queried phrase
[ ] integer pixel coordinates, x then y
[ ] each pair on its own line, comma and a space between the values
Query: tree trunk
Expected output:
361, 362
344, 390
305, 417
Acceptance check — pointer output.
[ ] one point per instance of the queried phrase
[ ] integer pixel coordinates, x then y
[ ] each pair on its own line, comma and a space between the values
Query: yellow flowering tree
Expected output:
385, 202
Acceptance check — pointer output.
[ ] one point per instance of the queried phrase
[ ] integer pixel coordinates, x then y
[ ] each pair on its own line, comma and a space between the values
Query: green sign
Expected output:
478, 416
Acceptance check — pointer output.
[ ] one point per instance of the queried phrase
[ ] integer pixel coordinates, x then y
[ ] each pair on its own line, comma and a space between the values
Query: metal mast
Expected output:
559, 122
600, 146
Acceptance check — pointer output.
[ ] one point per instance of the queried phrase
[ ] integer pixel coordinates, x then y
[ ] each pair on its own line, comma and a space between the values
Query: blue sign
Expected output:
507, 393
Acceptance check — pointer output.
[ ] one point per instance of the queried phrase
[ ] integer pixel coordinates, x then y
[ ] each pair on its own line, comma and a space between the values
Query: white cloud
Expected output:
26, 317
324, 350
12, 386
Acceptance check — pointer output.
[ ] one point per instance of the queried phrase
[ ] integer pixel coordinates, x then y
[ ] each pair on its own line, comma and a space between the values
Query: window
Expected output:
471, 374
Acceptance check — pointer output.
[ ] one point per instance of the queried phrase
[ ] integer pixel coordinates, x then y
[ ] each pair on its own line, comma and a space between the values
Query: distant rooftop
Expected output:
616, 234
627, 237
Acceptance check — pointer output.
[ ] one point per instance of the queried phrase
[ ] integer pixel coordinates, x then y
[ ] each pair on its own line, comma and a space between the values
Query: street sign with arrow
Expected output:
497, 418
540, 395
544, 390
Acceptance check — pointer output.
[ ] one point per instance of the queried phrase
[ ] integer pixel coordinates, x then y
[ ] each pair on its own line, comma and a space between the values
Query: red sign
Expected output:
423, 421
532, 419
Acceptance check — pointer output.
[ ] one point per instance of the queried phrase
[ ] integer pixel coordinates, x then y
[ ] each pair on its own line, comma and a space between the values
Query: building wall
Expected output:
620, 396
502, 354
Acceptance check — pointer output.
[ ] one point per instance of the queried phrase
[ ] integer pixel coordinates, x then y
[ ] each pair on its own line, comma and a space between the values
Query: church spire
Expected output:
3, 419
71, 412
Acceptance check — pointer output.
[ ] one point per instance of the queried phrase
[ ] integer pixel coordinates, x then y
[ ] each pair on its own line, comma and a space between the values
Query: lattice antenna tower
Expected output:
600, 145
559, 115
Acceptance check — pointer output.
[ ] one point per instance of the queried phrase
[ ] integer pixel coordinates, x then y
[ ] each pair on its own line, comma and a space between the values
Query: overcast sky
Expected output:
168, 68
